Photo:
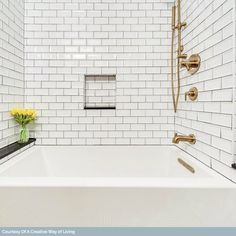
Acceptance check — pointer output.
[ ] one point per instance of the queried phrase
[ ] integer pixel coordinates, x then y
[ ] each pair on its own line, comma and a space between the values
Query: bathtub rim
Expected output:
62, 182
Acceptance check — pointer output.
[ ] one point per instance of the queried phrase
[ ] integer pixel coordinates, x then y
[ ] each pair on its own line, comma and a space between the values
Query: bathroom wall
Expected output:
234, 84
64, 40
209, 33
11, 66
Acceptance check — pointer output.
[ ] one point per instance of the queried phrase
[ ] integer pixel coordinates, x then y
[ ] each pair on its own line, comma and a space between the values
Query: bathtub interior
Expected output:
104, 162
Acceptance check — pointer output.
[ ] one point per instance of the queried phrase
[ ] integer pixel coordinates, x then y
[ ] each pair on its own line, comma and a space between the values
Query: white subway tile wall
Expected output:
11, 66
67, 39
64, 40
209, 33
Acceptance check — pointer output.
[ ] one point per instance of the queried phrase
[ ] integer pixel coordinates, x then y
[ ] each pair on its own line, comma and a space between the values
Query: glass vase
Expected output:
24, 134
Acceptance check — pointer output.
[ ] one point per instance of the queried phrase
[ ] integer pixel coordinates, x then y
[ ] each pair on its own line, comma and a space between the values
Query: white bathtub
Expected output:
112, 186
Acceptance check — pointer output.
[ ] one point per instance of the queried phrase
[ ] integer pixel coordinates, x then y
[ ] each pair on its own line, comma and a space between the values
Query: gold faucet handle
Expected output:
185, 96
184, 24
192, 94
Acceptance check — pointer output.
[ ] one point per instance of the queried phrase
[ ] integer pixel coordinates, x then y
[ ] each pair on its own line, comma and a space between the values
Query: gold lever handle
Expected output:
181, 24
189, 64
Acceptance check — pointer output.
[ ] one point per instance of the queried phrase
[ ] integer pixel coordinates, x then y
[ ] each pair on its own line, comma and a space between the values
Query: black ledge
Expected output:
234, 166
99, 108
9, 149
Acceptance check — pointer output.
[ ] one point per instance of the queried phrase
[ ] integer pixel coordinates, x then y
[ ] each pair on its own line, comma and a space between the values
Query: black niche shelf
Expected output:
100, 108
99, 92
11, 148
234, 166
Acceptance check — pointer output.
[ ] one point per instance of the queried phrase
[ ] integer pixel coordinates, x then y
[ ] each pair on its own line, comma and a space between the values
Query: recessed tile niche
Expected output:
100, 92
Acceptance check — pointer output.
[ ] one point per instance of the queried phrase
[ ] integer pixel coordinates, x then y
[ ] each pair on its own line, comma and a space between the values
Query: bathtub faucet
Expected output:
184, 138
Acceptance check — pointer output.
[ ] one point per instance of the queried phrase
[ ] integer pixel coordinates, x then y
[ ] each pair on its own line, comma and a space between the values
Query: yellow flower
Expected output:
23, 116
14, 111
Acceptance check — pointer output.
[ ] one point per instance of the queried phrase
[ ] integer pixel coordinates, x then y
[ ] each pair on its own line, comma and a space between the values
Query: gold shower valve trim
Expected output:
192, 64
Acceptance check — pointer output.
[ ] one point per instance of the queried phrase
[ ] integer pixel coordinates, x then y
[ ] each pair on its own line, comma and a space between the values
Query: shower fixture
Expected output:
192, 94
184, 138
180, 48
192, 64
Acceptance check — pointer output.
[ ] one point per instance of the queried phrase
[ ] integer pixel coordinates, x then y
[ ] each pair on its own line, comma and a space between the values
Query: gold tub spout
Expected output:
184, 138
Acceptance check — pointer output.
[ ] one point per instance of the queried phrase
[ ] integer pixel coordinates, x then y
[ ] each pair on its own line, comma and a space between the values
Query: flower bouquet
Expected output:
23, 117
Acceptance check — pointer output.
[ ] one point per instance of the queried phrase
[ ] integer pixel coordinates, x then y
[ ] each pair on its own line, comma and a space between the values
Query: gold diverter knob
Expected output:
192, 94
